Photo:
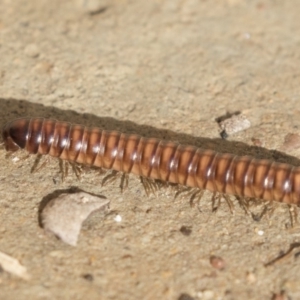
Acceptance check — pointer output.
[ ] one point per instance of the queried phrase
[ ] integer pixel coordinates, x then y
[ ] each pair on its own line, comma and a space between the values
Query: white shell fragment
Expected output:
118, 218
65, 214
234, 124
12, 265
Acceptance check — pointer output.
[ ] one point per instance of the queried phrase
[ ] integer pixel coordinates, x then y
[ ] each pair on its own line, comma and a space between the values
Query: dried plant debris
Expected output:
233, 124
65, 214
283, 256
291, 142
12, 265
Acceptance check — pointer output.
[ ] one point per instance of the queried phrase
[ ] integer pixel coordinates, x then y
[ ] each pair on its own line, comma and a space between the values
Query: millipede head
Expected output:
15, 134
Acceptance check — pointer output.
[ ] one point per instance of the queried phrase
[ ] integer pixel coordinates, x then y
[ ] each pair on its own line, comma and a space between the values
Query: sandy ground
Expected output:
166, 69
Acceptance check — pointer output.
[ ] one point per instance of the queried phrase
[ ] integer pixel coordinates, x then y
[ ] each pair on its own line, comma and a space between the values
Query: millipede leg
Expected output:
293, 211
193, 193
260, 216
154, 185
215, 196
216, 201
244, 204
110, 178
145, 185
60, 164
229, 202
63, 169
149, 185
182, 190
198, 195
100, 171
159, 184
37, 161
76, 169
124, 179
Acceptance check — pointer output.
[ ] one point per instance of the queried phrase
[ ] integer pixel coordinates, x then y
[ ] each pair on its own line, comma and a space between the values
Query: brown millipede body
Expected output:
156, 159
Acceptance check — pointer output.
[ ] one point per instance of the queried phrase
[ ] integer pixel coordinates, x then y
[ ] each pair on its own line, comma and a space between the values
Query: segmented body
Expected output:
156, 159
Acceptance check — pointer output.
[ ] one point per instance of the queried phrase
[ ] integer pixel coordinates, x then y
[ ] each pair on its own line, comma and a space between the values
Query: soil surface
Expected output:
165, 69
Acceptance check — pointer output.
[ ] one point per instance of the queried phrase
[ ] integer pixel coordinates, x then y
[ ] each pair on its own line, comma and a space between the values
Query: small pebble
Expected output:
291, 142
88, 277
280, 296
57, 254
259, 232
185, 230
251, 278
43, 67
206, 295
185, 296
93, 7
32, 50
130, 107
217, 262
233, 125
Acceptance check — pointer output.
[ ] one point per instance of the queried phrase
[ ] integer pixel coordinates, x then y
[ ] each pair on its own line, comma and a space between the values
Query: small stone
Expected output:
280, 296
57, 254
131, 107
206, 295
43, 67
251, 278
93, 7
291, 142
259, 231
185, 296
186, 230
217, 262
118, 218
233, 125
32, 50
88, 277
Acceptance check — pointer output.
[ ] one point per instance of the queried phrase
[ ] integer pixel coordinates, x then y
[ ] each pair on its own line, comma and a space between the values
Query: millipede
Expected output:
151, 158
